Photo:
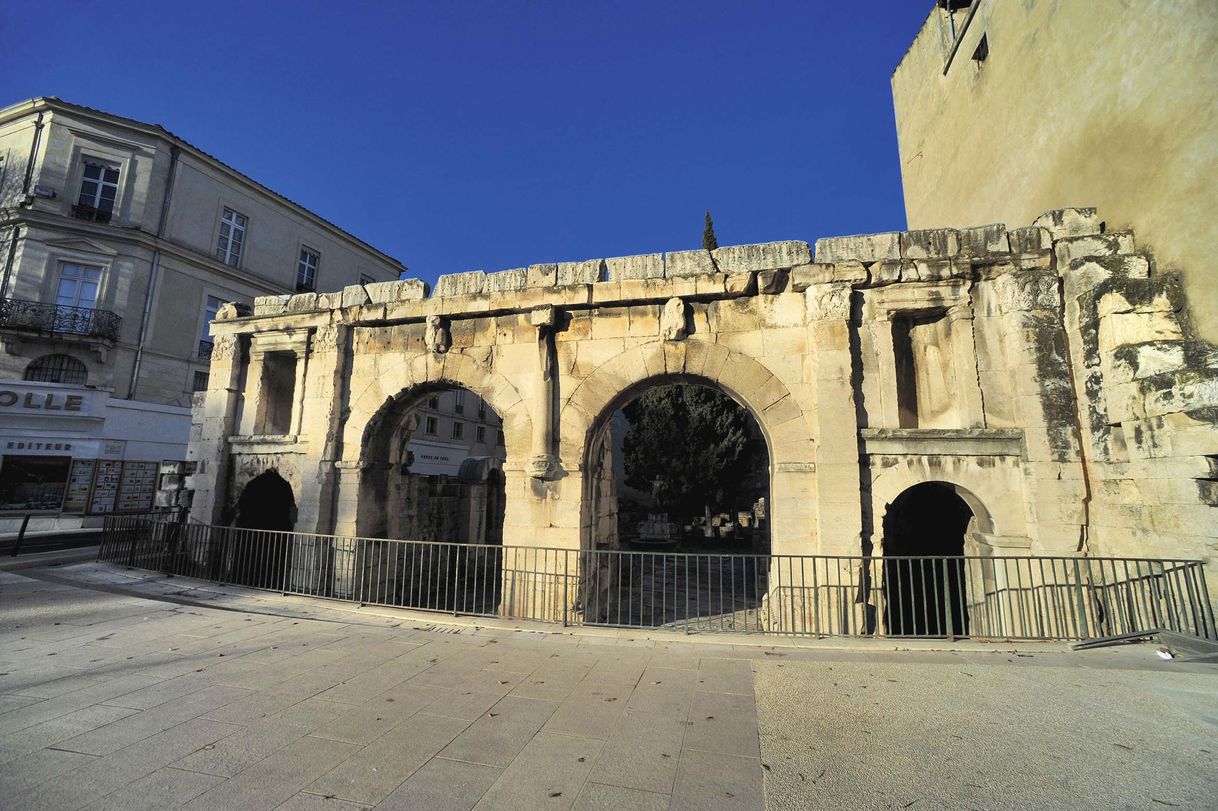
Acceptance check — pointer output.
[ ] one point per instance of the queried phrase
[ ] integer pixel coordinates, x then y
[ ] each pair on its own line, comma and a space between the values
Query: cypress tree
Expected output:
709, 242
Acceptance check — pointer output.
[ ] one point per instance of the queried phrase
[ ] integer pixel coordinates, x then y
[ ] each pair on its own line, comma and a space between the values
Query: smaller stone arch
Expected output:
887, 489
925, 584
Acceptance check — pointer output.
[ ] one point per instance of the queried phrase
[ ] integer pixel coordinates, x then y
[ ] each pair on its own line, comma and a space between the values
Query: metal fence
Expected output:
1024, 598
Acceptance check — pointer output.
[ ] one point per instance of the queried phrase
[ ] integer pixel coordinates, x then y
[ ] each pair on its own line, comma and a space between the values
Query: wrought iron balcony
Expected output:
55, 319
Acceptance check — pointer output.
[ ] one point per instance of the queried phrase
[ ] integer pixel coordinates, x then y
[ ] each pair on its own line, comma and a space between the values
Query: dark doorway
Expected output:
676, 511
258, 551
924, 580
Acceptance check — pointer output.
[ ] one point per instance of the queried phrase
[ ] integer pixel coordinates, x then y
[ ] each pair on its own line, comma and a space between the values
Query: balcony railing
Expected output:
37, 316
205, 348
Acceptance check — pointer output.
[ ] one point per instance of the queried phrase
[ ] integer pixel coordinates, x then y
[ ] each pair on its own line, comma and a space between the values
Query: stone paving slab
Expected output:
142, 701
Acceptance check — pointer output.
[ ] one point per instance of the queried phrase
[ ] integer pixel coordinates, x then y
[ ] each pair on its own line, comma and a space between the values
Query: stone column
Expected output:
219, 418
838, 486
964, 362
298, 391
251, 411
320, 425
544, 462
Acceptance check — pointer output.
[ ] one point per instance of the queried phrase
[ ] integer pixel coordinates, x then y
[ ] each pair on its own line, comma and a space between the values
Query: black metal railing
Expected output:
205, 348
1025, 598
37, 316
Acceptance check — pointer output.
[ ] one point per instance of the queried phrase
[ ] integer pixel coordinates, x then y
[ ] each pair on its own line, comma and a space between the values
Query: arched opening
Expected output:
676, 522
924, 572
432, 485
260, 558
57, 369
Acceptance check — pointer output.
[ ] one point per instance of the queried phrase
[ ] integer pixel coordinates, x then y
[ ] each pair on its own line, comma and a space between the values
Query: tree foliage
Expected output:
690, 446
709, 241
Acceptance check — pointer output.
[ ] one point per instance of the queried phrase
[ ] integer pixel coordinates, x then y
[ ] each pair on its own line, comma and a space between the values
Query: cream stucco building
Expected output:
118, 243
1008, 108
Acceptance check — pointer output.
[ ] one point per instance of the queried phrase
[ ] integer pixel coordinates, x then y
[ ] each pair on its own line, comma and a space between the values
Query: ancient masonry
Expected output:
1049, 374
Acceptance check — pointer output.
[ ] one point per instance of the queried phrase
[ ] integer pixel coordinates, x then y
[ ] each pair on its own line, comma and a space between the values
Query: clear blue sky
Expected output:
461, 135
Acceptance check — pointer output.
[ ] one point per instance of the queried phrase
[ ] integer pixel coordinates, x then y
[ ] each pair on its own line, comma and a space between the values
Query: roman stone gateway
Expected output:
1046, 379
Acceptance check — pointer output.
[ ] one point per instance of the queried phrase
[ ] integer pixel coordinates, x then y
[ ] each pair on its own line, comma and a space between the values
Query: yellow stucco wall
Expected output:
1104, 103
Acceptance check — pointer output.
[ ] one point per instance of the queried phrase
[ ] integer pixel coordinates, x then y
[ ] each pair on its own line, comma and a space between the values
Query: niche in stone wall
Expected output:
276, 393
927, 395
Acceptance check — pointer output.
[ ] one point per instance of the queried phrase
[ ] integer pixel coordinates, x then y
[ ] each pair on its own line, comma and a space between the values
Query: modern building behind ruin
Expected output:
1006, 109
1048, 375
118, 243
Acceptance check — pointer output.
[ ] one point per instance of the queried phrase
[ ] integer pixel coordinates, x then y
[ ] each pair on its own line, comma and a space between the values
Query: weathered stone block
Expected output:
544, 275
933, 243
1030, 240
1070, 248
886, 271
864, 248
302, 303
270, 305
354, 295
1069, 222
983, 240
587, 272
849, 272
645, 266
740, 284
804, 276
507, 280
688, 263
765, 256
460, 284
770, 282
400, 290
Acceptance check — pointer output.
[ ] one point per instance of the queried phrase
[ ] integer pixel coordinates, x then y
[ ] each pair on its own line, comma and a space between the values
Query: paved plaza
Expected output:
120, 690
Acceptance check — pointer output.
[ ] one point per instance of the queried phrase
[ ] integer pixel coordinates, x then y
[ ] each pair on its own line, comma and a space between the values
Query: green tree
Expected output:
690, 446
709, 242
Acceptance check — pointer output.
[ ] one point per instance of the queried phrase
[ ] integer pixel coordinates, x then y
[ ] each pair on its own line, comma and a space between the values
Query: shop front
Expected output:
70, 455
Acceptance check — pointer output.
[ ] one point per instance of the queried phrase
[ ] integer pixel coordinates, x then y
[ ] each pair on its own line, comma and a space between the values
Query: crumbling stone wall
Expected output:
1080, 417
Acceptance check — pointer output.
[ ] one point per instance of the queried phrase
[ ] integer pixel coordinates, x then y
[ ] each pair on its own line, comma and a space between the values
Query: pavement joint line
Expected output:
492, 625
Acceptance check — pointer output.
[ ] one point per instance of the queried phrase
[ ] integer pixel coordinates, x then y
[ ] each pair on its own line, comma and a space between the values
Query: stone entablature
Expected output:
1047, 373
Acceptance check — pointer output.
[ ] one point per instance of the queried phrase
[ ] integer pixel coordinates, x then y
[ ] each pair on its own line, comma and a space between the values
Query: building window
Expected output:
232, 237
499, 439
481, 410
460, 407
209, 315
306, 270
364, 278
433, 426
433, 402
57, 369
200, 381
98, 190
481, 434
458, 429
78, 286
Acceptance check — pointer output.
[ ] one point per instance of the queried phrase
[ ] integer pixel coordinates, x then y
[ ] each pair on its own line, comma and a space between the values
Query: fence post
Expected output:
25, 522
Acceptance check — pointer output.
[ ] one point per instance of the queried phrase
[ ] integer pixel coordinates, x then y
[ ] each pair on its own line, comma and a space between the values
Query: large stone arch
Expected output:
404, 378
779, 415
409, 376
